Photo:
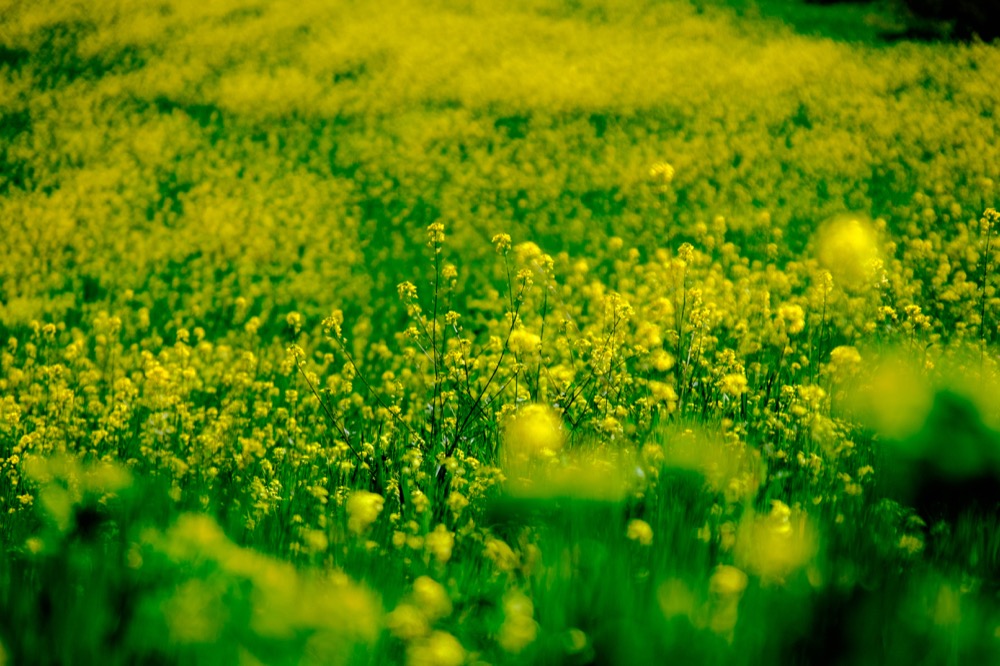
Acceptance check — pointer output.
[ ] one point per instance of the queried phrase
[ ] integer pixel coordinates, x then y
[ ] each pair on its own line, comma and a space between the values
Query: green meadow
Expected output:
468, 332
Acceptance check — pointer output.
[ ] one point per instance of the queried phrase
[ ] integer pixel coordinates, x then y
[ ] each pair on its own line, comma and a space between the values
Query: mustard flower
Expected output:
640, 532
431, 598
438, 649
734, 384
519, 628
439, 543
534, 430
363, 508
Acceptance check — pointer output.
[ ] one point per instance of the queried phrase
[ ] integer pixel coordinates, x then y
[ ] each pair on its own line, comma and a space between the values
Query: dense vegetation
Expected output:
495, 332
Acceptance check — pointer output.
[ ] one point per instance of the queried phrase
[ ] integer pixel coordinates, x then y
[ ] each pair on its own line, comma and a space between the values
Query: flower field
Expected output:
496, 332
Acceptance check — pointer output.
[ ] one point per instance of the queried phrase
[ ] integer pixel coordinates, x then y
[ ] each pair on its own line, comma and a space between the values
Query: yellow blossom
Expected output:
431, 598
640, 532
726, 590
519, 628
794, 318
534, 430
524, 342
776, 545
502, 243
363, 508
733, 385
501, 554
848, 248
661, 173
439, 543
438, 649
845, 357
407, 622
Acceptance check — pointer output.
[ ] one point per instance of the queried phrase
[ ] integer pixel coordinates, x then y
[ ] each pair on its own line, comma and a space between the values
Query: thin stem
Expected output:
982, 282
579, 390
333, 419
515, 311
434, 352
574, 424
541, 340
371, 390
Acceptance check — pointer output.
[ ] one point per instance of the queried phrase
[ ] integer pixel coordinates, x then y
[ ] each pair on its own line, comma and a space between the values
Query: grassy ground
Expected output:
473, 332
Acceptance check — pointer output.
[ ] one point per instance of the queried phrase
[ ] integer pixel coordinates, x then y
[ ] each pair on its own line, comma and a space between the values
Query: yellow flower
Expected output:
523, 341
848, 248
519, 628
734, 385
661, 173
675, 598
457, 502
406, 622
438, 649
435, 236
775, 545
726, 589
845, 357
947, 609
431, 598
315, 541
502, 243
662, 393
439, 543
407, 290
535, 430
294, 320
501, 554
794, 318
363, 508
661, 360
576, 641
194, 613
640, 531
896, 399
727, 581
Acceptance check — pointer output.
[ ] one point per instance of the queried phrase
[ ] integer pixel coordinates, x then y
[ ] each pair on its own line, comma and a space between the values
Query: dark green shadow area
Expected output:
856, 22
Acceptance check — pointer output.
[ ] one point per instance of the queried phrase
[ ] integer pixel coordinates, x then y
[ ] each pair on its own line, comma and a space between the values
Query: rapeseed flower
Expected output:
794, 318
661, 173
519, 628
776, 545
431, 598
733, 385
438, 649
536, 430
363, 508
439, 543
847, 246
726, 588
501, 554
524, 342
640, 532
407, 622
